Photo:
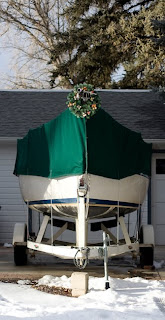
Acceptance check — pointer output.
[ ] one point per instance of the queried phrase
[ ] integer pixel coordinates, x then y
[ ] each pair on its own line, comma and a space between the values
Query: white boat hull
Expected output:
104, 195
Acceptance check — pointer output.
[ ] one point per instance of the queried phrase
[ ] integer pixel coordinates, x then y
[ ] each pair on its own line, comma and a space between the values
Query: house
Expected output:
139, 110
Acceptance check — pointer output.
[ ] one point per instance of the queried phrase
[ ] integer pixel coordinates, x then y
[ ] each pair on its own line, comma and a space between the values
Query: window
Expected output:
160, 166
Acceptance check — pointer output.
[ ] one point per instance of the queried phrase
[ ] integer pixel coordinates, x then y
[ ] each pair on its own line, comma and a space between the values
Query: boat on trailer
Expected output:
76, 169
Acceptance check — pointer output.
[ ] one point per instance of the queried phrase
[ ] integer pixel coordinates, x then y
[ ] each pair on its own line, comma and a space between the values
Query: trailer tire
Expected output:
20, 250
147, 253
20, 255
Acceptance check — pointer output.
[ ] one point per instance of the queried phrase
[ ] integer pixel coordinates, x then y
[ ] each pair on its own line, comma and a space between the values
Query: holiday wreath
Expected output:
83, 101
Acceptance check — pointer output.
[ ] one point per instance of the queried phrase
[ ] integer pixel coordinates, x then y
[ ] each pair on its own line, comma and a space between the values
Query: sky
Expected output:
127, 299
5, 57
4, 61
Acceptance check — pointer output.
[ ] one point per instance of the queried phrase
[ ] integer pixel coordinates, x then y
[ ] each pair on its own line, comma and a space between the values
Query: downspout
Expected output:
149, 202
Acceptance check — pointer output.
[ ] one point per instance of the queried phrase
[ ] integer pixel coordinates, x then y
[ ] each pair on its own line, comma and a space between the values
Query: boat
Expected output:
103, 198
97, 153
82, 166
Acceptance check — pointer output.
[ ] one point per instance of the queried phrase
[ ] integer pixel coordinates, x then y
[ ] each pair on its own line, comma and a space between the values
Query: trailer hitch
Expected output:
81, 258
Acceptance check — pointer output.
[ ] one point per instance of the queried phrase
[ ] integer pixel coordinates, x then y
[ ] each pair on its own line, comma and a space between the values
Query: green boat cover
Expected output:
68, 145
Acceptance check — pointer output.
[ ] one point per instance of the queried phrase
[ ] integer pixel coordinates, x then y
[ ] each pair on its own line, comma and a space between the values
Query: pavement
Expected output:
44, 264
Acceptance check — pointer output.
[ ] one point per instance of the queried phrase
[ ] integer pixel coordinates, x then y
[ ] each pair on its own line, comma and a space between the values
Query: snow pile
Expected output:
8, 245
158, 265
65, 282
127, 299
24, 282
51, 281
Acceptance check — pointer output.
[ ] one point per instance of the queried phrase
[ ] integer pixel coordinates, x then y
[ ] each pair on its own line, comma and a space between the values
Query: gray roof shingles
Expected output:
142, 111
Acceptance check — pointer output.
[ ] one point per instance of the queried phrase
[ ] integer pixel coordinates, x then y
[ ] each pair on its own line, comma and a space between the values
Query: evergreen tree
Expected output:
146, 68
95, 42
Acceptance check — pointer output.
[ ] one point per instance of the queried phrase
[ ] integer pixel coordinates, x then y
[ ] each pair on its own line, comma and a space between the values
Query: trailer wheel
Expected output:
19, 239
147, 253
20, 255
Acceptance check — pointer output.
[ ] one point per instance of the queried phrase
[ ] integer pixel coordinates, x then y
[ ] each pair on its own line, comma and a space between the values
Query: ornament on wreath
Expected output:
83, 101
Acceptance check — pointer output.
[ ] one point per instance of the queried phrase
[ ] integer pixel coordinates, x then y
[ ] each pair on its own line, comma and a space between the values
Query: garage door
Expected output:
12, 207
158, 197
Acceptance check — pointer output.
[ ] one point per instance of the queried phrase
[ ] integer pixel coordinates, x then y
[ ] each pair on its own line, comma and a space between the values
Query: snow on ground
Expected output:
158, 265
130, 298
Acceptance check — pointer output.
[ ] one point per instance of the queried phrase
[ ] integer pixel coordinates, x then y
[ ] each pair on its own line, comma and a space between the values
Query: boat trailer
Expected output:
81, 252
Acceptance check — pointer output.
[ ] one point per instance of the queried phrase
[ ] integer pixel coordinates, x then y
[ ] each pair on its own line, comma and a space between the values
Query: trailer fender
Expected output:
20, 233
147, 234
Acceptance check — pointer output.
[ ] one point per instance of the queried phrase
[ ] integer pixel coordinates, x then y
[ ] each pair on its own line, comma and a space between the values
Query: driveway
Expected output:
42, 264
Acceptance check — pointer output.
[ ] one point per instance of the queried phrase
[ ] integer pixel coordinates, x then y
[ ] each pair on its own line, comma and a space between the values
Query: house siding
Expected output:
158, 201
12, 206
